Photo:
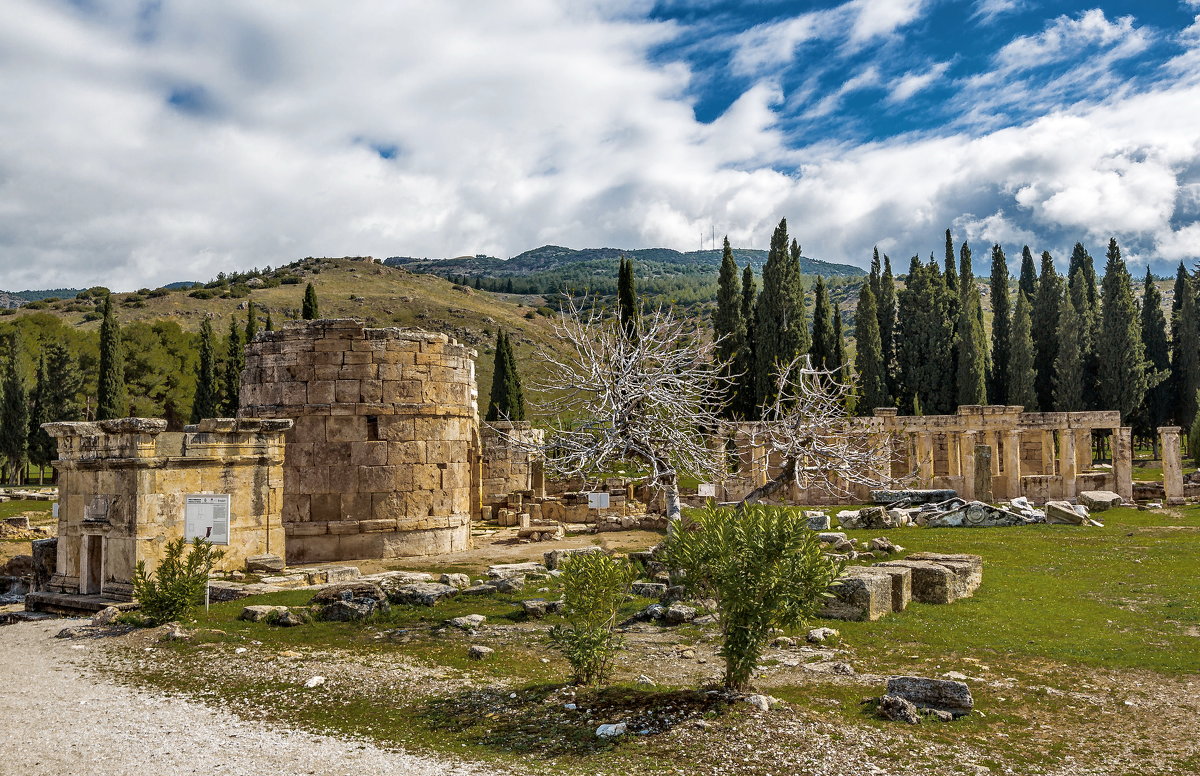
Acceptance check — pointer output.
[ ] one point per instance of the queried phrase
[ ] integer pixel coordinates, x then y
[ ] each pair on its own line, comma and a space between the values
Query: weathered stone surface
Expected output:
106, 616
347, 591
509, 584
467, 622
555, 558
421, 593
941, 694
18, 566
932, 583
874, 518
898, 709
677, 614
649, 589
535, 608
456, 580
265, 564
1099, 500
479, 652
918, 496
287, 619
821, 635
900, 580
976, 514
515, 569
881, 544
1064, 513
612, 730
350, 610
259, 612
817, 521
968, 569
858, 597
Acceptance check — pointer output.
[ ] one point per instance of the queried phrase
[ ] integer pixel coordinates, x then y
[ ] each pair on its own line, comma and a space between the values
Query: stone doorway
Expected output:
91, 565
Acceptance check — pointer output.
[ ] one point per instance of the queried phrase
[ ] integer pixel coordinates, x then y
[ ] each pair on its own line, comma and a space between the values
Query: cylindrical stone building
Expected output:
383, 458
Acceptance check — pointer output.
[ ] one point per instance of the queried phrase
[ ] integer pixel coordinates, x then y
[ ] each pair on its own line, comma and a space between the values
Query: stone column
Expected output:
924, 459
1083, 449
1122, 456
1048, 453
983, 474
1068, 463
1012, 462
967, 441
1172, 463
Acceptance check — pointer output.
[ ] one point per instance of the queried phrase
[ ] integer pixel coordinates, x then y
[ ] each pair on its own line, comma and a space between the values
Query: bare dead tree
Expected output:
652, 398
818, 444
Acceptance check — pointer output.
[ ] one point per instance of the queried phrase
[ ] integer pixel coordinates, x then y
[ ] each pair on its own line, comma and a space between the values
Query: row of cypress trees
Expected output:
218, 383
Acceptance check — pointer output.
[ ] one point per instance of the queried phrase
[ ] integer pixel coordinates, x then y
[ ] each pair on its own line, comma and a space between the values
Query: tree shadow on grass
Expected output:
558, 719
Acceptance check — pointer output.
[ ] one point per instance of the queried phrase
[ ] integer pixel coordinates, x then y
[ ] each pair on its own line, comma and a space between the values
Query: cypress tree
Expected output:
507, 401
1182, 284
235, 360
1081, 284
1027, 283
951, 275
885, 300
251, 322
270, 325
309, 310
1068, 360
746, 388
925, 338
207, 401
1121, 376
1021, 369
954, 306
868, 358
14, 414
627, 298
111, 398
62, 391
1185, 361
823, 342
781, 333
839, 340
39, 444
728, 326
1001, 327
970, 338
1157, 404
1045, 331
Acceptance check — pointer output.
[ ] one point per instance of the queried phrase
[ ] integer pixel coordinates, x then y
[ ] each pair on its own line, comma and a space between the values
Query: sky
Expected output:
145, 143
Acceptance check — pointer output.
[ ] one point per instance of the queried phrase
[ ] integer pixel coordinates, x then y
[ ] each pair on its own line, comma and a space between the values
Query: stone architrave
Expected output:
1172, 464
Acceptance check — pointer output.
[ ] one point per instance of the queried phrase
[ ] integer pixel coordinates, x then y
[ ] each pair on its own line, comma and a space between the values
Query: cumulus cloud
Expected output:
140, 149
911, 83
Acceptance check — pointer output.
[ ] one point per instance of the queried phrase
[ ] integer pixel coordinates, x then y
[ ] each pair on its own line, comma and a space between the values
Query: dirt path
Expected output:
64, 719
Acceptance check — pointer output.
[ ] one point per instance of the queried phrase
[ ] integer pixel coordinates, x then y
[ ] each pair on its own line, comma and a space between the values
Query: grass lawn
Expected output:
1082, 646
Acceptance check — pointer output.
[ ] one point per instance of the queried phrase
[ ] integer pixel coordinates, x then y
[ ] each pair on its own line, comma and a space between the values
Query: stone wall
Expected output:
383, 459
512, 461
122, 489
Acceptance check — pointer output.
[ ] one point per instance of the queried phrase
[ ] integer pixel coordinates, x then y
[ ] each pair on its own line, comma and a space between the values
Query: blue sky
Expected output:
142, 143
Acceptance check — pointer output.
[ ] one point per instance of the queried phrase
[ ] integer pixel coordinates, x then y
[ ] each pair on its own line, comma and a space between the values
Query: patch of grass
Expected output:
17, 507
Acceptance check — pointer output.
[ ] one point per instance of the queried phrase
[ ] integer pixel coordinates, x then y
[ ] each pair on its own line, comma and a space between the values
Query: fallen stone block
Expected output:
932, 583
347, 591
259, 612
976, 514
555, 558
649, 589
1065, 513
265, 564
478, 652
858, 597
938, 694
287, 581
899, 709
500, 570
968, 569
899, 578
677, 614
421, 593
1099, 500
817, 521
467, 622
915, 496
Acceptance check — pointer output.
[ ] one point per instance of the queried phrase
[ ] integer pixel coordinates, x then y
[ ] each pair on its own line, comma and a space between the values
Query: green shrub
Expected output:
177, 584
92, 316
765, 568
289, 280
202, 293
594, 585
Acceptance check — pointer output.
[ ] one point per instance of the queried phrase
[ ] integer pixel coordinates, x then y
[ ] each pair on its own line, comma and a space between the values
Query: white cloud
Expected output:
913, 82
1066, 38
988, 10
509, 126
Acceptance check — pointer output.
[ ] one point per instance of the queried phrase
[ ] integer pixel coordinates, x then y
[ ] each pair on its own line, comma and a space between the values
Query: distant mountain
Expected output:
549, 258
11, 299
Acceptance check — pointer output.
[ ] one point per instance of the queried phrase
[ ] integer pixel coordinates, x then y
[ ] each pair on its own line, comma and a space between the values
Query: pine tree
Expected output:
1157, 404
868, 358
111, 398
1121, 377
627, 298
1021, 370
746, 387
823, 342
309, 310
1185, 361
251, 322
1068, 360
14, 419
1001, 326
728, 327
781, 332
235, 361
39, 444
1028, 280
885, 300
970, 338
207, 401
507, 401
1045, 331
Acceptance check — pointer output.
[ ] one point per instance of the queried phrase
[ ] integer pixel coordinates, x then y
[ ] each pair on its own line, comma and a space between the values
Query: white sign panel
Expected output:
207, 516
706, 490
597, 501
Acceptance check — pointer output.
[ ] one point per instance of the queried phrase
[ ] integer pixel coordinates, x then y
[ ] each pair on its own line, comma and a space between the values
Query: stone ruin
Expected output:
384, 457
128, 486
981, 453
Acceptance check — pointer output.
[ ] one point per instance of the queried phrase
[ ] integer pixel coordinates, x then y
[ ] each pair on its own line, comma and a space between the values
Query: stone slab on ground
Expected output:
968, 569
939, 694
900, 578
932, 583
1099, 500
915, 496
858, 596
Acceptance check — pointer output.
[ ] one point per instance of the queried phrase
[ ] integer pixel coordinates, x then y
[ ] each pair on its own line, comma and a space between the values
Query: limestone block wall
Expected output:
512, 460
382, 459
122, 490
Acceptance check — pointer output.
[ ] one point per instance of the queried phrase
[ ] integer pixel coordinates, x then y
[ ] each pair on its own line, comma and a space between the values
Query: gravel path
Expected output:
64, 719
